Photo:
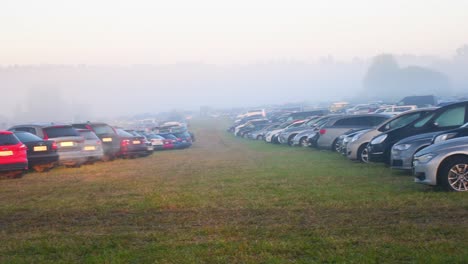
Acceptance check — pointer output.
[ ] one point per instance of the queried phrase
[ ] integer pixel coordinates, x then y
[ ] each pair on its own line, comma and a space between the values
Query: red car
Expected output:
13, 154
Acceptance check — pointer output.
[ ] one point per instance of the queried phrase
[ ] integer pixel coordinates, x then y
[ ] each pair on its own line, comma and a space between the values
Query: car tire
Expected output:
334, 146
304, 142
363, 154
453, 174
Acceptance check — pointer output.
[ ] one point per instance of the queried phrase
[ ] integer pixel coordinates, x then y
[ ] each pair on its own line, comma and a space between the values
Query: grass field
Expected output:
229, 200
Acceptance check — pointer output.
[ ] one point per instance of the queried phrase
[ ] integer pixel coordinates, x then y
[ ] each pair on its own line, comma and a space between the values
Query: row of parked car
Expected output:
43, 146
431, 143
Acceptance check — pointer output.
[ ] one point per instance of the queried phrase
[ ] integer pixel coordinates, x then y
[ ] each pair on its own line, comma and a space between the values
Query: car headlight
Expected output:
401, 147
444, 137
379, 139
425, 158
346, 139
356, 137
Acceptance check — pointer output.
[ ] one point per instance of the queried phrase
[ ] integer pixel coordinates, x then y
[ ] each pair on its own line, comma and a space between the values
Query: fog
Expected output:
83, 92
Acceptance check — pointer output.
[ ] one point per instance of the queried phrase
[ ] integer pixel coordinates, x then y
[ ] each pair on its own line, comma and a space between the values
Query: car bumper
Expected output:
377, 154
14, 166
401, 160
426, 173
351, 151
71, 157
43, 159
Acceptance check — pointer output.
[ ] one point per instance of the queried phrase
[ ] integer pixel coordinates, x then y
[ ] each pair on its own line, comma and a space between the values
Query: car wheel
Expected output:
453, 175
335, 146
363, 153
290, 139
303, 142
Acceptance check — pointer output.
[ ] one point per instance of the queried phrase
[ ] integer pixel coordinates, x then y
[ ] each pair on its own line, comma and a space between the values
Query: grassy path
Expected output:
228, 200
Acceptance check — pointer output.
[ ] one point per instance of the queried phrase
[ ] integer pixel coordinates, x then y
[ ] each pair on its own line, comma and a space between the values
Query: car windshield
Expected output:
103, 129
169, 136
8, 139
61, 131
27, 137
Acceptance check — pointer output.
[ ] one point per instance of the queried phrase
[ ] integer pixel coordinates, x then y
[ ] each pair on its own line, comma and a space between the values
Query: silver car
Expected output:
444, 164
402, 153
356, 149
92, 149
286, 136
337, 126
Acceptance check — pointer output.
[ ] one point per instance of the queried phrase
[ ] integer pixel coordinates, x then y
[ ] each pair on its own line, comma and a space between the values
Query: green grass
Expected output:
229, 200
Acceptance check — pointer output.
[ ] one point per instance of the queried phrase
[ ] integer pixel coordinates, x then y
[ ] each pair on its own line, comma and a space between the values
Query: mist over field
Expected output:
80, 92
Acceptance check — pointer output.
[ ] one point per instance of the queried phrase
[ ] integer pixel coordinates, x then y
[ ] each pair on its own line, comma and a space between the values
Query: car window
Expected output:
61, 131
8, 139
88, 135
401, 121
103, 129
423, 121
355, 121
451, 117
26, 129
377, 120
27, 137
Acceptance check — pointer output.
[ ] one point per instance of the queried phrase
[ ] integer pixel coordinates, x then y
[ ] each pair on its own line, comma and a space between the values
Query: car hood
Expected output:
455, 144
420, 137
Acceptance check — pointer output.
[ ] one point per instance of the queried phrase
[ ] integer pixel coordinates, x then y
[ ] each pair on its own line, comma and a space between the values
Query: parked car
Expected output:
176, 142
184, 138
159, 142
92, 148
343, 140
442, 119
444, 164
357, 148
131, 146
149, 146
249, 126
303, 137
42, 154
403, 151
13, 154
69, 142
337, 126
109, 138
260, 134
272, 136
287, 135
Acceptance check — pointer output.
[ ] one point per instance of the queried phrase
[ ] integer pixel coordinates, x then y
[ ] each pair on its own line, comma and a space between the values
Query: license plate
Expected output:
89, 148
136, 142
107, 140
40, 148
66, 144
149, 148
6, 153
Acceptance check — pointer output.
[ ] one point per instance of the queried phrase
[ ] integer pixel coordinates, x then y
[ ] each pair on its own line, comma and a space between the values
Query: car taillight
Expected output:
23, 147
125, 142
54, 145
322, 131
179, 139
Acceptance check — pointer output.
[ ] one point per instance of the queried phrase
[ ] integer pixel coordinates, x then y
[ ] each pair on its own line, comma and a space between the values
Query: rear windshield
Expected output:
155, 137
54, 132
10, 139
103, 129
27, 137
123, 133
88, 135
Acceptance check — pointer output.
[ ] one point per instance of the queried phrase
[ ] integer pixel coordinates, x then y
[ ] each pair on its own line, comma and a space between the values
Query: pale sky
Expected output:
224, 32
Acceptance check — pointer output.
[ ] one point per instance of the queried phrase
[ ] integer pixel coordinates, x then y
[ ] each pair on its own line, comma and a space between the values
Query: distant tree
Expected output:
386, 80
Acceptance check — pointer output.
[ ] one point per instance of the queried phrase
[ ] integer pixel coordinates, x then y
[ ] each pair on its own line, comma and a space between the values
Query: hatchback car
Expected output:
92, 149
441, 119
159, 142
131, 146
337, 126
444, 164
69, 141
109, 138
42, 154
13, 154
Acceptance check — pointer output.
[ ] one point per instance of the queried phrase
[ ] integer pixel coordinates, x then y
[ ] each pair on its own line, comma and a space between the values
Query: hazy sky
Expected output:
223, 32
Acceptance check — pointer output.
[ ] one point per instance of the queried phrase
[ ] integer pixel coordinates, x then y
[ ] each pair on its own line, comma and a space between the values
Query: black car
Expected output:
445, 118
131, 146
107, 134
42, 154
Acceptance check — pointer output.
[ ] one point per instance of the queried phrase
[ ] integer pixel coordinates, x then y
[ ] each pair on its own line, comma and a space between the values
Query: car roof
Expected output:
43, 125
3, 132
